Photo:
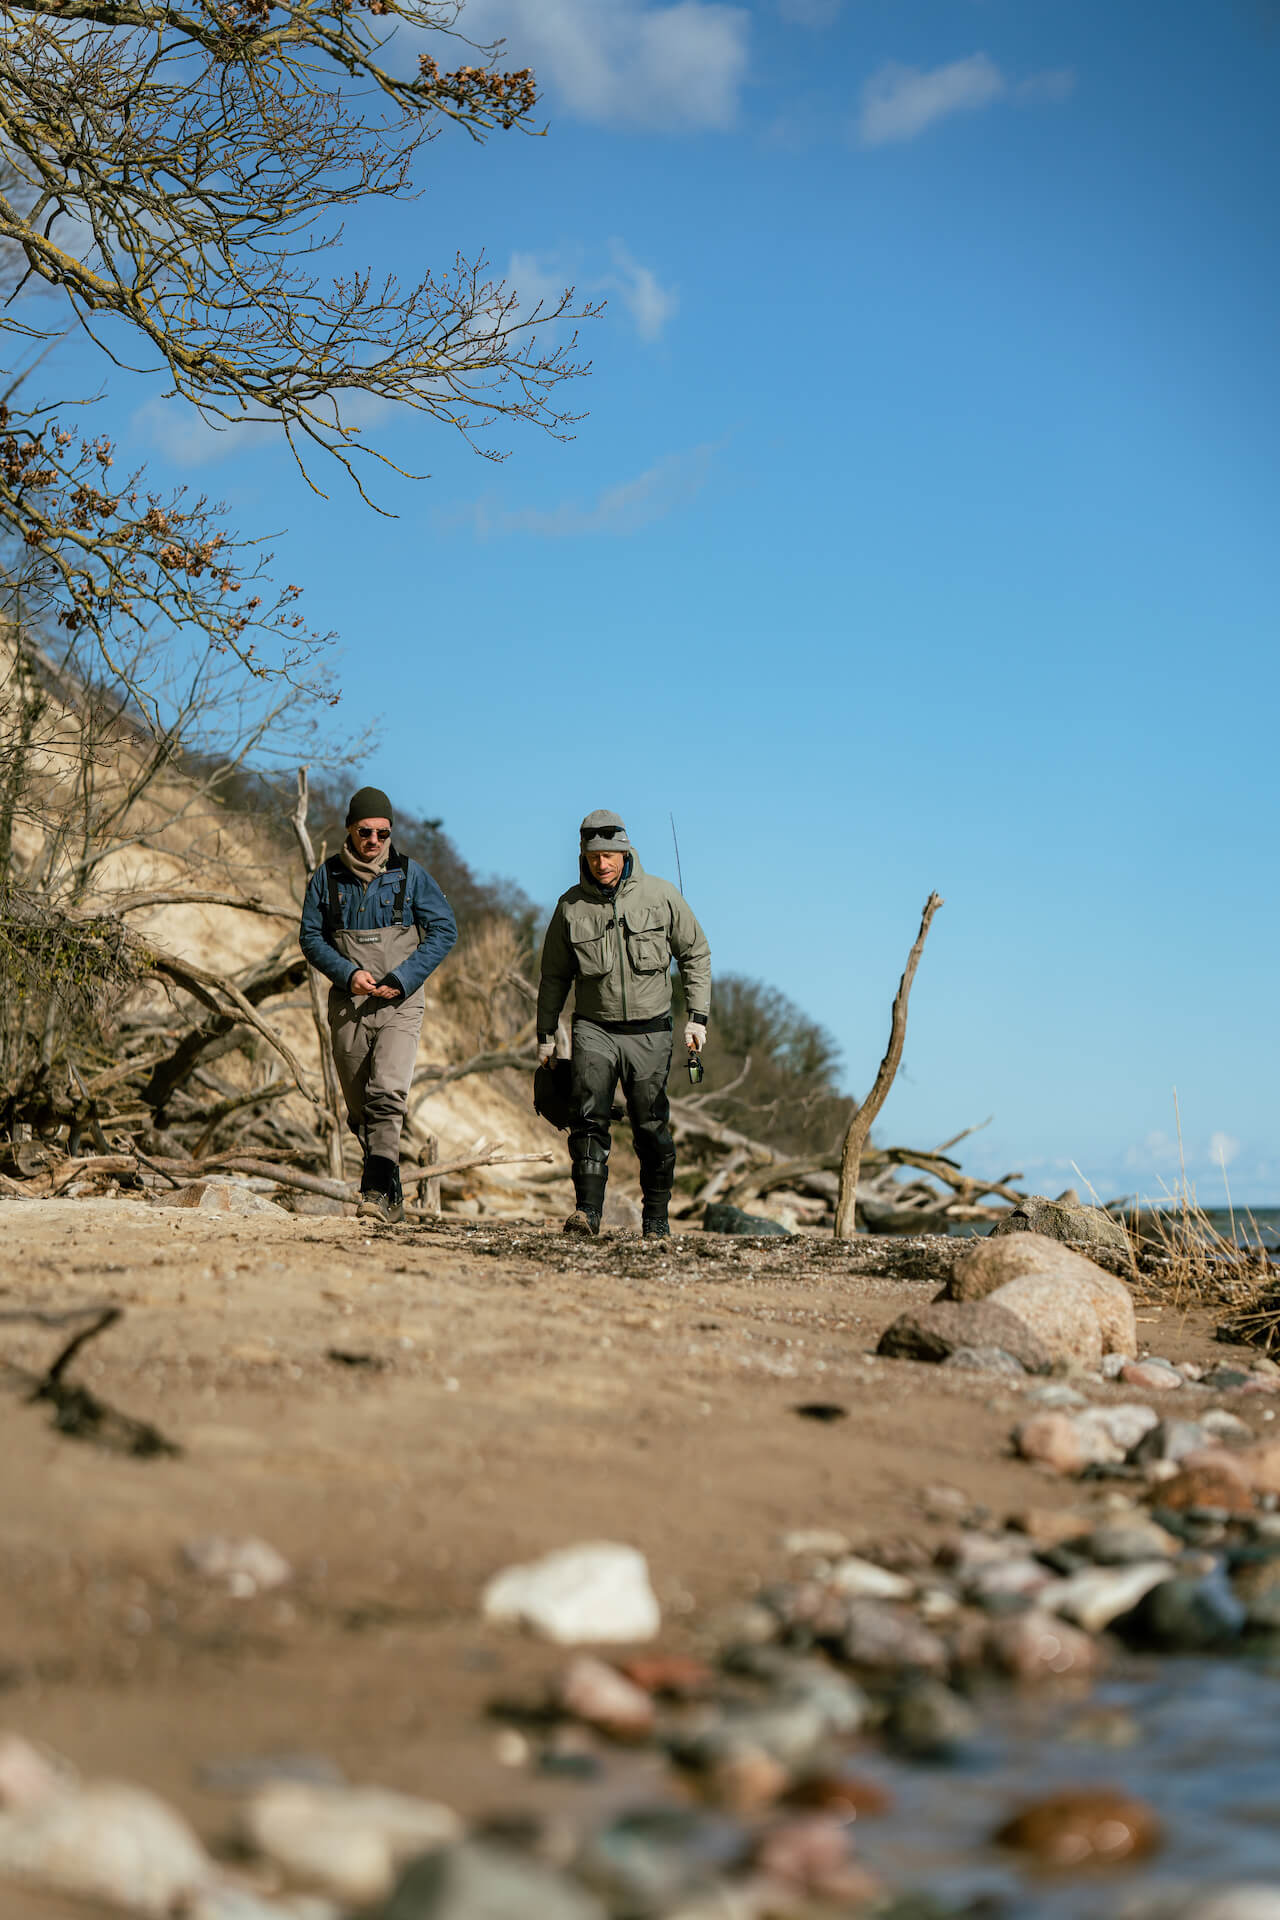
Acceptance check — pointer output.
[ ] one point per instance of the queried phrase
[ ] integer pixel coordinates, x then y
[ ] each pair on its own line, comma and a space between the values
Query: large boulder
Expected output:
993, 1263
1060, 1319
1064, 1219
936, 1331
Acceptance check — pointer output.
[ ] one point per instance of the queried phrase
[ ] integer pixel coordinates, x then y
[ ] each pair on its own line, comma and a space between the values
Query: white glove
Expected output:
695, 1036
546, 1051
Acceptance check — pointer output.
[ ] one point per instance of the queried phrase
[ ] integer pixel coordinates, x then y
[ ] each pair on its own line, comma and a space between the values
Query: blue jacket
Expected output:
359, 907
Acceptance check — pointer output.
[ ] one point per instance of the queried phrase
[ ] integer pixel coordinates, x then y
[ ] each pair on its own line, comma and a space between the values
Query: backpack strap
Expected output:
399, 911
332, 898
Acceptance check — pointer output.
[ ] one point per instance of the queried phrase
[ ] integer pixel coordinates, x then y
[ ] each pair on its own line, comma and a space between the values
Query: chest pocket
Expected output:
592, 944
648, 944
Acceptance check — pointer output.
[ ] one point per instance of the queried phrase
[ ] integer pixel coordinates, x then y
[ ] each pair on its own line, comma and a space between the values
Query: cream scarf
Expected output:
365, 871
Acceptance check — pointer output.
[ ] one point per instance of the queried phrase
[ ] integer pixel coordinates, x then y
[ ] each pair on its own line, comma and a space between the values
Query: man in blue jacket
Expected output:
376, 925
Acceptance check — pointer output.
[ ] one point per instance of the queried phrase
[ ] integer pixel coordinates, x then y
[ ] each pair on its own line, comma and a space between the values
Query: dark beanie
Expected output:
371, 803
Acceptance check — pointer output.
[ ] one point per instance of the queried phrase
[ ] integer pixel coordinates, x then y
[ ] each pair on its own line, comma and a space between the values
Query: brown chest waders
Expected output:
375, 1042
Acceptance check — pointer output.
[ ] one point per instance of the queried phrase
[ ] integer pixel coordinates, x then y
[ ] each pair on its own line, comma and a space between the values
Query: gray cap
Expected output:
604, 832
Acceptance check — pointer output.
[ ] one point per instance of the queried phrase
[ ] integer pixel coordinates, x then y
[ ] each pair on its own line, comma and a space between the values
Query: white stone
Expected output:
862, 1579
242, 1903
1094, 1599
107, 1842
595, 1593
817, 1540
244, 1567
1244, 1902
1123, 1426
1114, 1364
346, 1841
1225, 1426
28, 1775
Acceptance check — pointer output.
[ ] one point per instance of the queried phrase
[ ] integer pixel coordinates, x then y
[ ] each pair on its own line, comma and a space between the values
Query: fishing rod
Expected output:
695, 1064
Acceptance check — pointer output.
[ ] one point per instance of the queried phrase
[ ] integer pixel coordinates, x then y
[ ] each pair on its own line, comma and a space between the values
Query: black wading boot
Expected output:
653, 1222
590, 1178
380, 1194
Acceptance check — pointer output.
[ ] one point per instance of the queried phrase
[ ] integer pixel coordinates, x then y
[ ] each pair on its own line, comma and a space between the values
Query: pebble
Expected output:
748, 1780
1220, 1485
862, 1579
240, 1903
1261, 1465
1258, 1587
842, 1793
1169, 1440
474, 1881
645, 1859
1049, 1526
933, 1331
1121, 1543
598, 1592
1038, 1646
1093, 1600
1226, 1379
812, 1855
28, 1775
885, 1637
244, 1566
1021, 1576
1052, 1440
108, 1842
1185, 1615
1154, 1376
1114, 1364
347, 1841
1243, 1902
1123, 1425
1083, 1827
1226, 1426
928, 1721
601, 1696
673, 1676
986, 1360
1058, 1397
816, 1540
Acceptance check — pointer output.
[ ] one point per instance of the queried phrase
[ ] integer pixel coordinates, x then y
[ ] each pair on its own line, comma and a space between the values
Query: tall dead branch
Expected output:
856, 1138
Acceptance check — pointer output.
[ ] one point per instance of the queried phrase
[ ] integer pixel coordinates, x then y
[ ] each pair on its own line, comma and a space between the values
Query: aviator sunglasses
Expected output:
372, 833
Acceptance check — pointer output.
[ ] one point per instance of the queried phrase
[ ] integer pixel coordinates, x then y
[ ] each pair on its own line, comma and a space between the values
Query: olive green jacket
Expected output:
618, 948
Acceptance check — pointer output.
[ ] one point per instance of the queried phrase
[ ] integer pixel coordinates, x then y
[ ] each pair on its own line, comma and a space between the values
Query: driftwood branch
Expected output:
855, 1139
207, 987
136, 902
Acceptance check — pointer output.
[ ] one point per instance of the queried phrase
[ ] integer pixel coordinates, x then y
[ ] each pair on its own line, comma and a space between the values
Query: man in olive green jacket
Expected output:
612, 939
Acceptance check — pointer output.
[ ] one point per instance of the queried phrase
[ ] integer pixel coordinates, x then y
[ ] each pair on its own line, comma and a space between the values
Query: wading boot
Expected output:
380, 1191
653, 1220
590, 1177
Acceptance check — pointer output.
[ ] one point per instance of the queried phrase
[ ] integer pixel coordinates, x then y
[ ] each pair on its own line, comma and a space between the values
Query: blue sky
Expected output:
922, 533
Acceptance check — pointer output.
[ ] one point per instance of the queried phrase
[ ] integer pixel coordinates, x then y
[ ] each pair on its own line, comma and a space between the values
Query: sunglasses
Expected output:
372, 833
606, 833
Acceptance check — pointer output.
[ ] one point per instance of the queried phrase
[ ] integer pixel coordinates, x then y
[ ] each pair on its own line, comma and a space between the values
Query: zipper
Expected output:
622, 957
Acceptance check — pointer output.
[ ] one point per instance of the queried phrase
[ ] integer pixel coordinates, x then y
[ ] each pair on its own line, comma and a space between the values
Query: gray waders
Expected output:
375, 1042
603, 1058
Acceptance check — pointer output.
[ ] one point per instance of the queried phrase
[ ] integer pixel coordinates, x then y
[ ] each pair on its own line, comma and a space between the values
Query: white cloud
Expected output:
898, 102
625, 61
669, 483
649, 303
810, 13
1222, 1149
1054, 84
174, 429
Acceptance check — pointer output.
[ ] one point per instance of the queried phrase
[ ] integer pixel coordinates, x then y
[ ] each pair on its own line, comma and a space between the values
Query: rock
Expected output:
1123, 1425
107, 1842
1021, 1576
598, 1592
28, 1775
474, 1881
1257, 1586
985, 1360
1261, 1466
823, 1542
1064, 1219
228, 1902
1049, 1526
720, 1218
1114, 1364
1036, 1645
993, 1262
1185, 1615
244, 1567
223, 1196
347, 1841
747, 1780
1222, 1425
812, 1855
928, 1721
1154, 1376
1083, 1827
1061, 1319
1123, 1543
786, 1734
796, 1679
1220, 1485
884, 1638
862, 1579
1169, 1440
647, 1858
1054, 1440
1243, 1902
602, 1697
842, 1793
674, 1676
1094, 1599
932, 1332
1225, 1379
1058, 1397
